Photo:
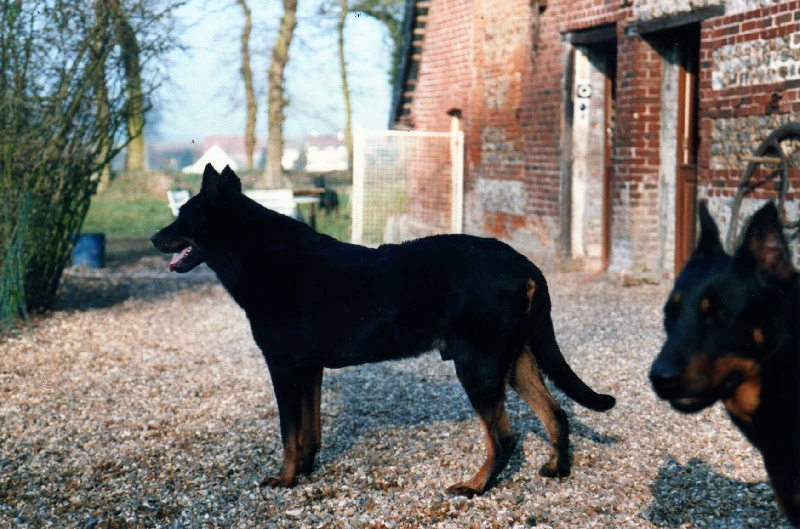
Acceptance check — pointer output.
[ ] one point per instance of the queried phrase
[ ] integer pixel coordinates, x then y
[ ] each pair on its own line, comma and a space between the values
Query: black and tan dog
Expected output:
314, 302
733, 334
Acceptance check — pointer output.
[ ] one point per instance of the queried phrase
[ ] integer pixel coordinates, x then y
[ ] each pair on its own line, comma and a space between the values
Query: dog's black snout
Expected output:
666, 379
155, 240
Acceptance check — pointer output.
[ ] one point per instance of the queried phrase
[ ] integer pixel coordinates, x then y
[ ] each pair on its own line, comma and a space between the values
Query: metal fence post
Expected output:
357, 194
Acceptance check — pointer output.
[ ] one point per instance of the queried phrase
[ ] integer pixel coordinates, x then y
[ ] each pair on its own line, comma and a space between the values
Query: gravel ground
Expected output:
142, 401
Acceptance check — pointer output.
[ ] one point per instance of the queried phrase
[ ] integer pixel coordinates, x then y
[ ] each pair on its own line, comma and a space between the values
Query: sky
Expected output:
204, 94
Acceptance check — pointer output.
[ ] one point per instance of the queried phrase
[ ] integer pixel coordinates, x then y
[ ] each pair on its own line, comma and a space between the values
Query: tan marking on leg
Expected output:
527, 381
531, 290
310, 435
499, 446
287, 477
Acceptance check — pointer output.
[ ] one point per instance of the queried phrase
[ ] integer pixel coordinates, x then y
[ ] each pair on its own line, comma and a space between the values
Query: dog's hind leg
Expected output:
485, 387
527, 381
310, 422
288, 394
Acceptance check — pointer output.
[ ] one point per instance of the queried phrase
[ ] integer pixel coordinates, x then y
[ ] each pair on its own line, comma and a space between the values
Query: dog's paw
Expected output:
552, 469
306, 466
463, 489
279, 481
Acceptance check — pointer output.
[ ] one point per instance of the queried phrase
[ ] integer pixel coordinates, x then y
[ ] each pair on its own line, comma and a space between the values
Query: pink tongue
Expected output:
178, 257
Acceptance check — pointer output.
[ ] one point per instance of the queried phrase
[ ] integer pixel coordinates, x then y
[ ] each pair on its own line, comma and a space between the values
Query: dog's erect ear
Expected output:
763, 250
230, 180
708, 244
210, 186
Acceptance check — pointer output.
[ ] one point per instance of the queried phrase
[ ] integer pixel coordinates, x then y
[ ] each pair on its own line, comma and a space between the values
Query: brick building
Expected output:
592, 127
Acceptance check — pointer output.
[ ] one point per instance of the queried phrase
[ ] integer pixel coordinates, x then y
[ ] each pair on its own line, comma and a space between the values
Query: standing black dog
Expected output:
314, 302
733, 334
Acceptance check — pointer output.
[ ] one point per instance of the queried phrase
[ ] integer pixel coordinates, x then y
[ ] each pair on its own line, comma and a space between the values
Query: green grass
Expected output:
337, 225
132, 208
127, 218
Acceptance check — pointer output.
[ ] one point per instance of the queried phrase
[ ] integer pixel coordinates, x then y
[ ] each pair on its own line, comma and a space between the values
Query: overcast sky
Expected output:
205, 95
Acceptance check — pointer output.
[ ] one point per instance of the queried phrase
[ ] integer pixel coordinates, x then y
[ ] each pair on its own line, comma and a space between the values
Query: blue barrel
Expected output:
90, 250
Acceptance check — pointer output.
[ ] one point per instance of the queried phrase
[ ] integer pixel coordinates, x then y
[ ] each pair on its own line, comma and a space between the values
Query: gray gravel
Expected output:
143, 402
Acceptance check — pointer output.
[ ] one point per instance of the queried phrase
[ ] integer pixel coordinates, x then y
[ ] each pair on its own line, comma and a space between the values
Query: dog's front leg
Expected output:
310, 422
288, 391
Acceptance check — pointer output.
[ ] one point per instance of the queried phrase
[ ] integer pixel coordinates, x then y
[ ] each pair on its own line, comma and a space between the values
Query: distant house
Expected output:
171, 155
315, 154
235, 148
326, 153
216, 156
293, 158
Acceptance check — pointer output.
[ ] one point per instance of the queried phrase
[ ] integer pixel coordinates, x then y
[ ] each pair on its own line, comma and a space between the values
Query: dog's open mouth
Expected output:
186, 260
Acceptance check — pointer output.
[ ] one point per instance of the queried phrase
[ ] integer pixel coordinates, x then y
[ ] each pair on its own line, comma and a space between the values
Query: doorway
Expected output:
686, 192
591, 126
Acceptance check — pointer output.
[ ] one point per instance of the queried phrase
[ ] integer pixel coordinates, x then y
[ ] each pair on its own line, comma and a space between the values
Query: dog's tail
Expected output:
548, 355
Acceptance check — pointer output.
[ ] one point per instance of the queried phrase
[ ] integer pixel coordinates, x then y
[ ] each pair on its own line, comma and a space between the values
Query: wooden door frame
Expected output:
605, 35
608, 168
687, 145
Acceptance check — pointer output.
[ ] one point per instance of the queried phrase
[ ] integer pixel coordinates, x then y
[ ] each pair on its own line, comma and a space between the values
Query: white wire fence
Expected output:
406, 185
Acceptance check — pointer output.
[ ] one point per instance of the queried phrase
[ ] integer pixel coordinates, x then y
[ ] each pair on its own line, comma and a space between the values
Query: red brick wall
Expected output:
747, 111
489, 59
741, 105
445, 73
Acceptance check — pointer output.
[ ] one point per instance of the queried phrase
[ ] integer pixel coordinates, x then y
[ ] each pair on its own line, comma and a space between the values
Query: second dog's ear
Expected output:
230, 180
708, 244
763, 250
210, 186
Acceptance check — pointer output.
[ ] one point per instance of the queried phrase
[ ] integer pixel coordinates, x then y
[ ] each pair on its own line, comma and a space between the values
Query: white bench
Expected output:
278, 200
177, 198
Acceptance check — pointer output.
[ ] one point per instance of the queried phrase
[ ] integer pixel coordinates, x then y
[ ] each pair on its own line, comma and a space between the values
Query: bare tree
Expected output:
348, 108
276, 100
64, 113
98, 56
142, 30
388, 12
251, 104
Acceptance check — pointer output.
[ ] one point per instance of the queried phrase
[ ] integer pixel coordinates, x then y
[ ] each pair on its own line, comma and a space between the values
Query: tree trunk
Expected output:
126, 38
251, 105
348, 110
99, 53
391, 14
275, 95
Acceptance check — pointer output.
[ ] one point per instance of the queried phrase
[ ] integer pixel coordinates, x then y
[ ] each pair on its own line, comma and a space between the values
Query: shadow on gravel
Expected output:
133, 270
100, 291
369, 396
696, 496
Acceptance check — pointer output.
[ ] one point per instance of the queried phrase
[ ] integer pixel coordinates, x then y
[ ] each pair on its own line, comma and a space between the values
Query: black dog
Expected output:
328, 199
733, 334
314, 302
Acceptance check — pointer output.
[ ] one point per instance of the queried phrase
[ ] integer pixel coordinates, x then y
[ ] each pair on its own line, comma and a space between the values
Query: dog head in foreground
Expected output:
195, 226
733, 335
